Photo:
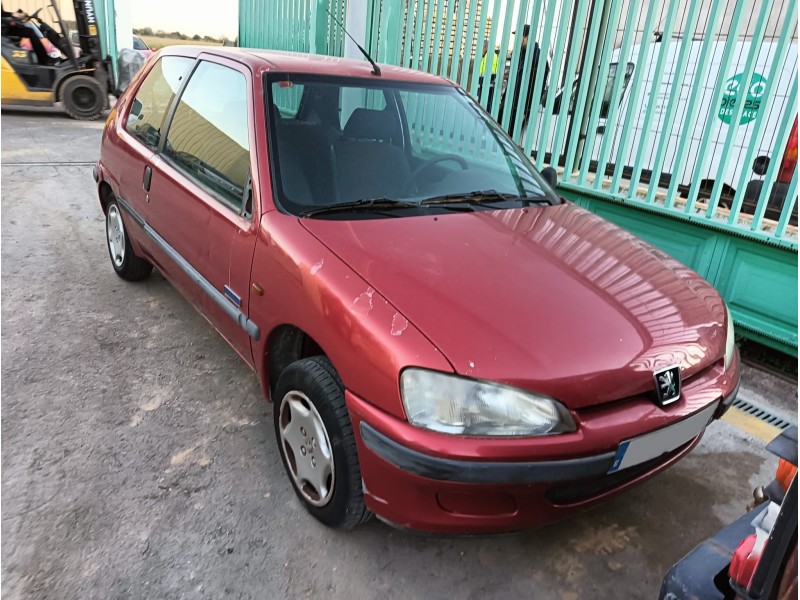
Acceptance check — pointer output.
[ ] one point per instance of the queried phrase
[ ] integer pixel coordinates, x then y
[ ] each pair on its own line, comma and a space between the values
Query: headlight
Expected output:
730, 341
457, 405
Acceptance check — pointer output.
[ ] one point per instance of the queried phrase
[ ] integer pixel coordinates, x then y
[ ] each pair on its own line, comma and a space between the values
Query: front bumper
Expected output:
434, 482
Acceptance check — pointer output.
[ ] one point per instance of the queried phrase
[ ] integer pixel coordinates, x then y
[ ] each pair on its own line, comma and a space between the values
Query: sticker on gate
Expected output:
735, 92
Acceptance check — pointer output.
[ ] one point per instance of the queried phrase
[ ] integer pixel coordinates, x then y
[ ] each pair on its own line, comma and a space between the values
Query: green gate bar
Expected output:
705, 140
616, 96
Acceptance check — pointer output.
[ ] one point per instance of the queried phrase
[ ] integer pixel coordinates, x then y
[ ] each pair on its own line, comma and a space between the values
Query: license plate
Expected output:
652, 445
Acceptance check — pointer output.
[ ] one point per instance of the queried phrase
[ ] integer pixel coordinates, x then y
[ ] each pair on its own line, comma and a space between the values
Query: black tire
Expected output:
317, 380
83, 97
127, 264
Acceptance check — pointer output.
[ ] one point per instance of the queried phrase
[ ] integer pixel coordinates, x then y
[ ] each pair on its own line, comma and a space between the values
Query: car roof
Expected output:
298, 62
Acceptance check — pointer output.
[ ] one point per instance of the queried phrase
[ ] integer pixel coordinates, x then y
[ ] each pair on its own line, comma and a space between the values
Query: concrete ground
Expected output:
139, 461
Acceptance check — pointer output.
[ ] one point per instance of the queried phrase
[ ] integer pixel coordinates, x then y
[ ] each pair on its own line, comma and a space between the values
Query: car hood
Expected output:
550, 299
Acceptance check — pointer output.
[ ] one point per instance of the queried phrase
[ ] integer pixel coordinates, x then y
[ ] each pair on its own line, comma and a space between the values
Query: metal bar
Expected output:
538, 84
693, 218
488, 84
700, 75
516, 54
778, 58
457, 52
435, 54
436, 47
787, 121
610, 132
716, 97
569, 77
519, 105
552, 91
501, 67
602, 81
469, 42
583, 89
674, 92
744, 86
427, 39
788, 207
418, 24
446, 54
405, 54
635, 93
476, 62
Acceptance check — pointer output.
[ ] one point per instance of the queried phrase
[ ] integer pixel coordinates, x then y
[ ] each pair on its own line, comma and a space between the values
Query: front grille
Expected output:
585, 489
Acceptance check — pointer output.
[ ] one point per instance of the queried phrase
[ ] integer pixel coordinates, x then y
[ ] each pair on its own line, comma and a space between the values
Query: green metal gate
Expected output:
677, 120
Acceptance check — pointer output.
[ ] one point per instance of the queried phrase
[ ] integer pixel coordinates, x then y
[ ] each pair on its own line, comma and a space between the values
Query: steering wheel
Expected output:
412, 180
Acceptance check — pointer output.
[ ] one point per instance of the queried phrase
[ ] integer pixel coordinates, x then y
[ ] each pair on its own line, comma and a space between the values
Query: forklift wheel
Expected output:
83, 97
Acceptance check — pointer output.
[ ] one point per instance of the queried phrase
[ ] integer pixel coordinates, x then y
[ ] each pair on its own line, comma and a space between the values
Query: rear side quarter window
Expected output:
154, 97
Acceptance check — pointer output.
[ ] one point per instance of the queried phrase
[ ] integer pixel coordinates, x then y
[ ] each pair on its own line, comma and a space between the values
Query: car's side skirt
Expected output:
218, 297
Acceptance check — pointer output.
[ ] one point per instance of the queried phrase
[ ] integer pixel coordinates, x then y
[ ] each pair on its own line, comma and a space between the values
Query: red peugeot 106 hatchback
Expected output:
447, 343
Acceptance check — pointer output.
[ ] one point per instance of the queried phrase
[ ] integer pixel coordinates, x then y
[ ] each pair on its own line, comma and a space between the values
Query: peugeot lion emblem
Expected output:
668, 385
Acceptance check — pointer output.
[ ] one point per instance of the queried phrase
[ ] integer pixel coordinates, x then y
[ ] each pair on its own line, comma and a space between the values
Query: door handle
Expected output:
148, 176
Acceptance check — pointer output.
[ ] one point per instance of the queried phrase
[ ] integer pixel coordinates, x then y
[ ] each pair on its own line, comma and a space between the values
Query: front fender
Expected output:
365, 337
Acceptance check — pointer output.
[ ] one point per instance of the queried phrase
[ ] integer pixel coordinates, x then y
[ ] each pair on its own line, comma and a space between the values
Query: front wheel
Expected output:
316, 443
83, 97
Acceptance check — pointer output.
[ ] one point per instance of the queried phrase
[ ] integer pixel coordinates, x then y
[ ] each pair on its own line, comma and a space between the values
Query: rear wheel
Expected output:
83, 97
316, 442
126, 263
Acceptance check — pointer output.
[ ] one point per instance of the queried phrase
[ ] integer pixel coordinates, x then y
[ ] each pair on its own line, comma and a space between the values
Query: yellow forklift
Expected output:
81, 78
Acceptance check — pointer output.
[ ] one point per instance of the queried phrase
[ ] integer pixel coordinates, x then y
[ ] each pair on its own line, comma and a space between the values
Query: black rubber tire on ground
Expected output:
132, 267
83, 97
317, 379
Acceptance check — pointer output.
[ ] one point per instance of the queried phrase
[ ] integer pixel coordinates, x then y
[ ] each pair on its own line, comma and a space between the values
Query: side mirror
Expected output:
760, 165
550, 176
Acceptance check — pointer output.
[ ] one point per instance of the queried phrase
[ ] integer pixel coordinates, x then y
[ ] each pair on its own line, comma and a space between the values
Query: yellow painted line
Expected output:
750, 424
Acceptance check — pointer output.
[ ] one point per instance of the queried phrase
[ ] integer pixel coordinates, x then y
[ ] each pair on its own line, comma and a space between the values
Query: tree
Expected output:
196, 37
145, 31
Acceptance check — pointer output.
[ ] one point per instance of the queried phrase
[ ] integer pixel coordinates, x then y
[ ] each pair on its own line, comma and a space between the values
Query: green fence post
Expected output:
784, 130
700, 75
636, 91
610, 132
716, 98
567, 91
780, 49
590, 48
538, 84
602, 80
733, 126
679, 70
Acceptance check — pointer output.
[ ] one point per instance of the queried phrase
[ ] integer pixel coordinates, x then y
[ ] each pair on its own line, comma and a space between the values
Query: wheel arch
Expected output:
286, 344
106, 195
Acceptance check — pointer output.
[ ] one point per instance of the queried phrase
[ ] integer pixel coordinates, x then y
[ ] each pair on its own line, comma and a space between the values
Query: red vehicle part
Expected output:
789, 160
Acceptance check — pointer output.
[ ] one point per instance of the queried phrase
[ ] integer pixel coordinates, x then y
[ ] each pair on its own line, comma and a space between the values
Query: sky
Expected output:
191, 17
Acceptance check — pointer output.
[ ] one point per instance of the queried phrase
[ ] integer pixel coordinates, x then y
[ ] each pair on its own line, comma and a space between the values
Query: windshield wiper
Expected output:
358, 205
482, 198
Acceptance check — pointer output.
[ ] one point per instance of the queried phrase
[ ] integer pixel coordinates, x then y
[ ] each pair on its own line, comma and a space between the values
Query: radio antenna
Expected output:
376, 70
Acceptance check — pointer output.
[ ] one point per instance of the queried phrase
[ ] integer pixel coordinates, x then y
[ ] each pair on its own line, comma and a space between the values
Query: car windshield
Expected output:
344, 145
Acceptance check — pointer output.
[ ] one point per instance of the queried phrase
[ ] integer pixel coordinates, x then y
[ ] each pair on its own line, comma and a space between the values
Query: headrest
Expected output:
366, 124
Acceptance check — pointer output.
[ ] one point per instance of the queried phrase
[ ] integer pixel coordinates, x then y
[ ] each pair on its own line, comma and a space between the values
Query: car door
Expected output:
131, 160
201, 201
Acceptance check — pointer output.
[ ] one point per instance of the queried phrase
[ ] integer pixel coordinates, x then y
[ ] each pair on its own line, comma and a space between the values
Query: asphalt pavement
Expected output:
139, 460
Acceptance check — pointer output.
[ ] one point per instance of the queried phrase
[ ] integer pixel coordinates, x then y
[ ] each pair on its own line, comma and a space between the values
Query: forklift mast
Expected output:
88, 31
